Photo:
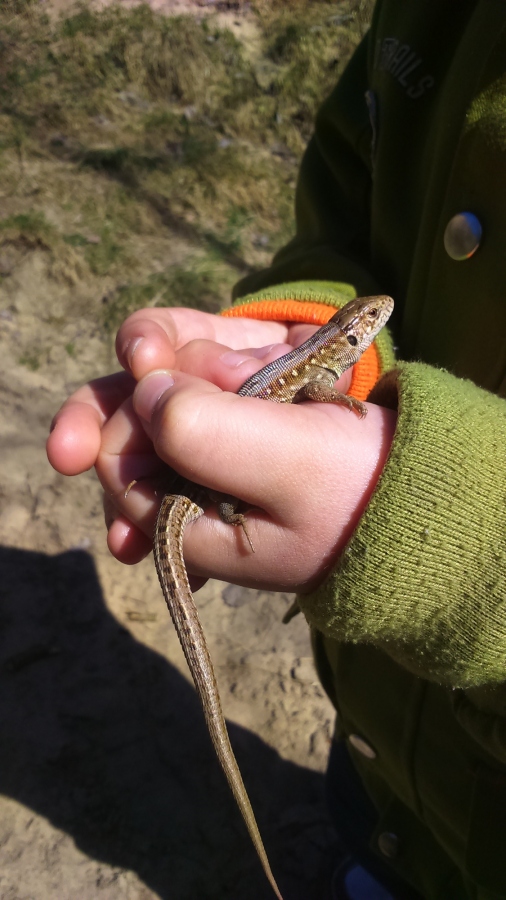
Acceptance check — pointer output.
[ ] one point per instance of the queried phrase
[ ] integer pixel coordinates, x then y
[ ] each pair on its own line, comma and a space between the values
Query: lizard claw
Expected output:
129, 488
246, 532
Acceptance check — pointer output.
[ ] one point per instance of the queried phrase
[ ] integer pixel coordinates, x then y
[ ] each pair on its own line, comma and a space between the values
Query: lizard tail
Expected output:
175, 513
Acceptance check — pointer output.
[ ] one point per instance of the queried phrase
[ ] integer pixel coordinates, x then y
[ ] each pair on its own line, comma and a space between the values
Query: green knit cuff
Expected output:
331, 293
424, 575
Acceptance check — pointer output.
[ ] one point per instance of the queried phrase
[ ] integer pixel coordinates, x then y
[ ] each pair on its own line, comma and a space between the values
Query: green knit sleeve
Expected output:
424, 575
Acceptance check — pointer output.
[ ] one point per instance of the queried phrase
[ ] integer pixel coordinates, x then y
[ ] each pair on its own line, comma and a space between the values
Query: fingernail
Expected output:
234, 358
149, 391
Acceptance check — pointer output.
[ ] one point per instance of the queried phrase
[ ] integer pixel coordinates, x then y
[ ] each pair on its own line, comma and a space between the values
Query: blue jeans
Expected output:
355, 818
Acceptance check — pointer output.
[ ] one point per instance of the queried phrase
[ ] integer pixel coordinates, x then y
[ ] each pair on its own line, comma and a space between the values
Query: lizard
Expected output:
306, 373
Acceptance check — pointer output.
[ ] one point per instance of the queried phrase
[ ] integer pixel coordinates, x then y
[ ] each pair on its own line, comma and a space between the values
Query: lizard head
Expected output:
362, 319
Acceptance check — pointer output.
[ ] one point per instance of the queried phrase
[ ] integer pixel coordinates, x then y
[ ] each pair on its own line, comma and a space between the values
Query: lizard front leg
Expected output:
321, 389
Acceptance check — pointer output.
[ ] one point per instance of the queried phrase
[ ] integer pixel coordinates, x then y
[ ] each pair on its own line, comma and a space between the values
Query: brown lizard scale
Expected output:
297, 376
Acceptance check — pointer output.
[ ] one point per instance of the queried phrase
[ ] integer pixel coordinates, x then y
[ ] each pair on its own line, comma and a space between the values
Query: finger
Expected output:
74, 441
148, 338
127, 543
126, 455
134, 479
226, 368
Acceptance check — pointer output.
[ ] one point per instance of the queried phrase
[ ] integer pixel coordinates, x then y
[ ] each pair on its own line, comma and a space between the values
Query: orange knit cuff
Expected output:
366, 371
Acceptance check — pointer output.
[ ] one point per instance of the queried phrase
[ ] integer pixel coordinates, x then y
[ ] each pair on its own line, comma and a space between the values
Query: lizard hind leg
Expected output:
227, 511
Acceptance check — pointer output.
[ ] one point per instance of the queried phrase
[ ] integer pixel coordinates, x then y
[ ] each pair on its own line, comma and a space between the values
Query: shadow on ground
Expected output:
103, 737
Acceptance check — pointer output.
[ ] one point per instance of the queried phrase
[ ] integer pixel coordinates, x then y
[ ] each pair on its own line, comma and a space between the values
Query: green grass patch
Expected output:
30, 360
76, 240
102, 255
29, 228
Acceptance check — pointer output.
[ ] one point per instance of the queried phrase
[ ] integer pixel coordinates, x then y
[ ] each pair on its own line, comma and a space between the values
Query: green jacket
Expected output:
410, 627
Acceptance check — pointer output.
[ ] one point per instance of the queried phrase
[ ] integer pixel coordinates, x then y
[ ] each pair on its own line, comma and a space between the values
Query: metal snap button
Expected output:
462, 236
388, 844
359, 744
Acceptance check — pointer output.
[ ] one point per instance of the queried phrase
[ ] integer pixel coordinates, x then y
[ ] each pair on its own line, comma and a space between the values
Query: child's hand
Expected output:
153, 338
308, 470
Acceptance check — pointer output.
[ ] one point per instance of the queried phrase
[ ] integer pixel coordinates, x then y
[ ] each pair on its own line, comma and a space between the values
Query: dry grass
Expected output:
122, 131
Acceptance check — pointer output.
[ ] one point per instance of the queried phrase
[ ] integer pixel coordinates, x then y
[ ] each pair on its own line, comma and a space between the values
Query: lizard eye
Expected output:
352, 340
373, 313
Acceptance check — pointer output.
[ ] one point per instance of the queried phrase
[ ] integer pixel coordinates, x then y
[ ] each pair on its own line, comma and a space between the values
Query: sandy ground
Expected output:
109, 784
110, 788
